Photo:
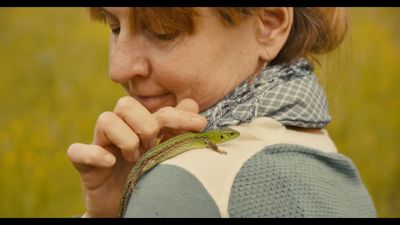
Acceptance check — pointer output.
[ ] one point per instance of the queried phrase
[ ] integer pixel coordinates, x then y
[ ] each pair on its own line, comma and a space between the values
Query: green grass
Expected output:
54, 84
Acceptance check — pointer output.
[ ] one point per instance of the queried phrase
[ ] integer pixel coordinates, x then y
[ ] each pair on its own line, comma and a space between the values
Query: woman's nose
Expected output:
127, 59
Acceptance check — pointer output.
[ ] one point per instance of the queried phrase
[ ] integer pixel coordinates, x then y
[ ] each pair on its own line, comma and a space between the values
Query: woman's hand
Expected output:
120, 137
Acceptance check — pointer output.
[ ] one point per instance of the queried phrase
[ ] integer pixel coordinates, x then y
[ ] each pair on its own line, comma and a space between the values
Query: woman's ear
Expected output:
274, 24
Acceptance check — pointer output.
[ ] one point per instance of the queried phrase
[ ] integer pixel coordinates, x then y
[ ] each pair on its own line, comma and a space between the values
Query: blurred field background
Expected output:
54, 84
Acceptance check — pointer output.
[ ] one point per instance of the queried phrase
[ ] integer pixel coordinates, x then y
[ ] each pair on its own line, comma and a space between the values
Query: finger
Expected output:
112, 130
84, 157
177, 119
186, 104
139, 119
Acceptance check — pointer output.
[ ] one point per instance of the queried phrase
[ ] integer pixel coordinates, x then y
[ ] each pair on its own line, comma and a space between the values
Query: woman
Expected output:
196, 69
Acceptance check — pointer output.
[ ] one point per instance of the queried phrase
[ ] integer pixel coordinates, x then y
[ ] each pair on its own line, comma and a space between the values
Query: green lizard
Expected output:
171, 148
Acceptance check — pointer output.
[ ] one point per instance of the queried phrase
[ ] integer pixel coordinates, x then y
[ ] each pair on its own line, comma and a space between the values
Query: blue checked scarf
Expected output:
288, 93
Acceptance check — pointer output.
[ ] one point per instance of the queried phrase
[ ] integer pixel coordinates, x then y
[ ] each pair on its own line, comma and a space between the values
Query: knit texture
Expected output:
170, 191
297, 181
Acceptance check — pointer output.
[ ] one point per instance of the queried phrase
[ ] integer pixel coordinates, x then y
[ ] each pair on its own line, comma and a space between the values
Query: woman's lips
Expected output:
154, 102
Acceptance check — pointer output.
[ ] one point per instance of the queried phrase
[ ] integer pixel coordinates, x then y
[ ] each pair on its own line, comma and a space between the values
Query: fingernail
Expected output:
110, 160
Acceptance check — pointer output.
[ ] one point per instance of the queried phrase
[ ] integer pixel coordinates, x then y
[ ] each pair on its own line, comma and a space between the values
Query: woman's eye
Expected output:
115, 30
165, 37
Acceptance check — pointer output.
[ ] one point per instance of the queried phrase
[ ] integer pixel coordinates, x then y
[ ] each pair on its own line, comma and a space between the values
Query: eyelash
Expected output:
115, 31
165, 37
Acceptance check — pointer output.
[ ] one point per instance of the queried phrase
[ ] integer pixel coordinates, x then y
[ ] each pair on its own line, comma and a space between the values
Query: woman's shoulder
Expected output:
281, 180
267, 168
207, 175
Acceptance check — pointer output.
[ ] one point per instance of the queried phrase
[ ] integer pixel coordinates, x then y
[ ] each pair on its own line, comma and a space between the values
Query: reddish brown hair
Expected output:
315, 30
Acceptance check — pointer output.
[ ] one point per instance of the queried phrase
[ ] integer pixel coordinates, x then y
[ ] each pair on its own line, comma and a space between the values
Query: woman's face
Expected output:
204, 66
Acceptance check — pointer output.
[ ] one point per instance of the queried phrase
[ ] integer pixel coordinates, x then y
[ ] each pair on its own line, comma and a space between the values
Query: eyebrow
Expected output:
104, 12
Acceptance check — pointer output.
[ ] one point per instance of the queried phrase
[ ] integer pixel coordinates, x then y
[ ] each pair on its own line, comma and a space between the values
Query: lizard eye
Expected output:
222, 136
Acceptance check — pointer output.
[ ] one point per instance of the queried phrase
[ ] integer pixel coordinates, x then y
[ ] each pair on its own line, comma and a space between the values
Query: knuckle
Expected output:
163, 114
72, 149
123, 104
151, 129
165, 110
131, 145
105, 119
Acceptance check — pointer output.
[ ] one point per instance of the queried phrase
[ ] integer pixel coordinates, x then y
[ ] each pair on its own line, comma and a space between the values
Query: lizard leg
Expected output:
213, 146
